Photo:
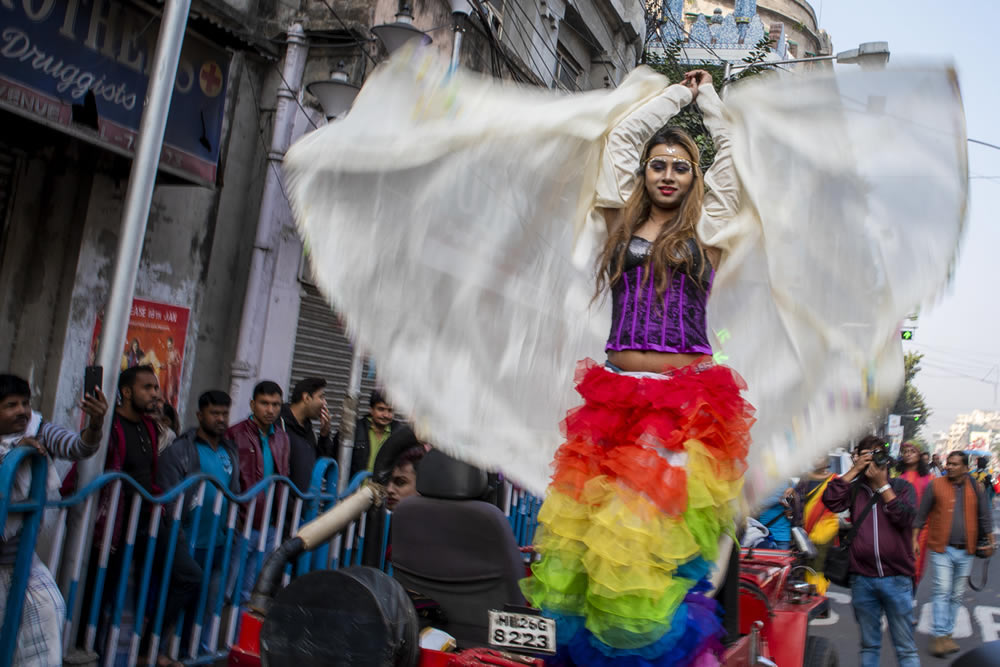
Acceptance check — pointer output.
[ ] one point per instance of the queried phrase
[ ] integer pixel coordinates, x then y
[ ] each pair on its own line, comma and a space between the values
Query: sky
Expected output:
960, 334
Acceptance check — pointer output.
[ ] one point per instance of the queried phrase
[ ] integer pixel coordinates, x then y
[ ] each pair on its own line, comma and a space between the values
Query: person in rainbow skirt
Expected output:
455, 222
647, 480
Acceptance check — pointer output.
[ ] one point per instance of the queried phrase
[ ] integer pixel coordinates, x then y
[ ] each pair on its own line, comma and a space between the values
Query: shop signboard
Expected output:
54, 52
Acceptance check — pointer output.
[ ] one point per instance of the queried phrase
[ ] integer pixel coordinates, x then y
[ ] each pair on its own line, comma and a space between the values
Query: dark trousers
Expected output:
728, 596
185, 578
182, 591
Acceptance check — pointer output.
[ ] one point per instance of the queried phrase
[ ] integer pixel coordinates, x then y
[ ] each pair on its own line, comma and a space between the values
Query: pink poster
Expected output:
156, 335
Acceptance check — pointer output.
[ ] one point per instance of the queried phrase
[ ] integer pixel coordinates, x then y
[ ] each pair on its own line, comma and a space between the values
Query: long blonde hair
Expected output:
671, 250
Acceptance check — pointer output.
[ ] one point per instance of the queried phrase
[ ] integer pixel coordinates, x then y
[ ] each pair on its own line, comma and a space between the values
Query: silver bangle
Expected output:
882, 489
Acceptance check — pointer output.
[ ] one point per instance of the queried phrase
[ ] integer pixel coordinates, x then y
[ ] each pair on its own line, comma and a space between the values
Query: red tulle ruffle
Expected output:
628, 426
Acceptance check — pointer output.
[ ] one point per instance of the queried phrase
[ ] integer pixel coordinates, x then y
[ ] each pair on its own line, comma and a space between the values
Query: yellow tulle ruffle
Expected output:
612, 556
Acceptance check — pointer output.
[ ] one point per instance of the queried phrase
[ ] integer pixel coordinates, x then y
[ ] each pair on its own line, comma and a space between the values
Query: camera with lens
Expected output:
881, 458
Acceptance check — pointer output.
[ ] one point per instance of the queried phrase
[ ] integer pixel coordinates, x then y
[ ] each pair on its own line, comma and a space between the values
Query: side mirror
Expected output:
802, 542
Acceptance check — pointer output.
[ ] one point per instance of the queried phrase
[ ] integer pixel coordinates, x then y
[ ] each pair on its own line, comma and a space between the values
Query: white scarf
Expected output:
22, 478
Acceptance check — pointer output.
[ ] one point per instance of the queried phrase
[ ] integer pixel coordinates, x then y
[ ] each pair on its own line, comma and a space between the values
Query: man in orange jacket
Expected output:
958, 518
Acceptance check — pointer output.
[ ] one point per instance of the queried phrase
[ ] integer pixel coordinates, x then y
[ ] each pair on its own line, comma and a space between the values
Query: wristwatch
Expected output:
882, 489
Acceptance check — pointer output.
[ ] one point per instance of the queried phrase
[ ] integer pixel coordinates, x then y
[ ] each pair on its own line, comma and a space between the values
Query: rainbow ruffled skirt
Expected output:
644, 486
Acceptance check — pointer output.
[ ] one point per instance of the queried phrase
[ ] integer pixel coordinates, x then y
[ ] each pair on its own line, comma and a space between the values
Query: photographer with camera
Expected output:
960, 526
880, 559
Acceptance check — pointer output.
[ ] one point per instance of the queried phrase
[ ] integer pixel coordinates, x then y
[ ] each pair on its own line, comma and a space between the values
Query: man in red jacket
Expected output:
881, 556
133, 448
263, 452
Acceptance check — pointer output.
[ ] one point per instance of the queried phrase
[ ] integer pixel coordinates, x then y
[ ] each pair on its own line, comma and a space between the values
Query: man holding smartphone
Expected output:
39, 639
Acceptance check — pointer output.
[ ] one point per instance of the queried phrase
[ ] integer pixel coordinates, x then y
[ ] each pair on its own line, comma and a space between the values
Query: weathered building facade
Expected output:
223, 295
292, 333
72, 83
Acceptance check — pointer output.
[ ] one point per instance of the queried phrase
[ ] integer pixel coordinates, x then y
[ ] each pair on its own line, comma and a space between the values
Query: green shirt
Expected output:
375, 442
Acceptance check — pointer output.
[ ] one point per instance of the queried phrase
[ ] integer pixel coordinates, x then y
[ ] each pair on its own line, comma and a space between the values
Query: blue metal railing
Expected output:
115, 607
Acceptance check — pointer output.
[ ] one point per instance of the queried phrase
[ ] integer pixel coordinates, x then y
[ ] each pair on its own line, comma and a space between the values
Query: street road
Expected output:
978, 620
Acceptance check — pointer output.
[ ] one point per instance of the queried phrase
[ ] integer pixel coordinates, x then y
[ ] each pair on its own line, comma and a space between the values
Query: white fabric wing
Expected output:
448, 222
854, 194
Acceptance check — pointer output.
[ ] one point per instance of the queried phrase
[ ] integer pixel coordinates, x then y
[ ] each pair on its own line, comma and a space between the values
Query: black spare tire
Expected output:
356, 616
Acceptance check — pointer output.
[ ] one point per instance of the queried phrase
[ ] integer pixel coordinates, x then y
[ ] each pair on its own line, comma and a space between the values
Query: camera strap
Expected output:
986, 574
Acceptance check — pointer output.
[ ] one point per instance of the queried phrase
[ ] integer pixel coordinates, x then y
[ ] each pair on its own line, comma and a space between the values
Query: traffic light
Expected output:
907, 334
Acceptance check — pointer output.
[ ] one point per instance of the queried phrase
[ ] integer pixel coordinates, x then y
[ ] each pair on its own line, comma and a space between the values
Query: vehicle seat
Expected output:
455, 548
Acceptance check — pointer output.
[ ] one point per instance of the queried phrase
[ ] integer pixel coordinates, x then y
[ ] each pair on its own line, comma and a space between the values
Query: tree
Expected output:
671, 65
910, 403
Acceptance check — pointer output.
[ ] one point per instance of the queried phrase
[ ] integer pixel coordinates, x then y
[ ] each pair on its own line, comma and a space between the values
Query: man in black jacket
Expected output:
308, 402
370, 433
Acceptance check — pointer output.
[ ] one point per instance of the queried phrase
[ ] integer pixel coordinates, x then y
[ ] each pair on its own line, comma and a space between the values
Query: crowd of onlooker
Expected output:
279, 437
906, 513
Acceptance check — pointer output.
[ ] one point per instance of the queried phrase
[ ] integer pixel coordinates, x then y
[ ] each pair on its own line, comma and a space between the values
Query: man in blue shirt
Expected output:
774, 516
205, 450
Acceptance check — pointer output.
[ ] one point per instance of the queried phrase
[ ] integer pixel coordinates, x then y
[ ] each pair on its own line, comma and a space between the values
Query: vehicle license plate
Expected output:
526, 633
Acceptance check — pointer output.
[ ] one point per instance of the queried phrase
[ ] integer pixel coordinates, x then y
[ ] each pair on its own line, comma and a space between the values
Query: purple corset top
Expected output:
672, 323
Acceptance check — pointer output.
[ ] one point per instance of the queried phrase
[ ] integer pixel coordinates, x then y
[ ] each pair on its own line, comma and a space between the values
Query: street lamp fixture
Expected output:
336, 94
870, 55
459, 9
395, 35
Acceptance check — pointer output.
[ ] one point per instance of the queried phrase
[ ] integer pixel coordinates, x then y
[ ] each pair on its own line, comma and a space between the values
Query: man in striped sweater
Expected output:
39, 638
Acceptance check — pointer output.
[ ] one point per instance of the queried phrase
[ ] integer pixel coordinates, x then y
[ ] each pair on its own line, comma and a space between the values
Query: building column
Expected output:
268, 302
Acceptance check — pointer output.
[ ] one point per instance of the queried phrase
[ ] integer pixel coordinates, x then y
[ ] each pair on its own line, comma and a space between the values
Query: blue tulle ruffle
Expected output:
695, 628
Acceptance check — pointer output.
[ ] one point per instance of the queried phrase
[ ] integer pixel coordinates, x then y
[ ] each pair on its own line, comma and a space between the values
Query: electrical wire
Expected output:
544, 41
260, 135
529, 50
598, 49
295, 96
958, 365
611, 36
349, 32
960, 353
983, 143
497, 51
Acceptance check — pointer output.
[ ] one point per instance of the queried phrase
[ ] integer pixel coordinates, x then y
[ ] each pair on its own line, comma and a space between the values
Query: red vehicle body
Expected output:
775, 608
771, 595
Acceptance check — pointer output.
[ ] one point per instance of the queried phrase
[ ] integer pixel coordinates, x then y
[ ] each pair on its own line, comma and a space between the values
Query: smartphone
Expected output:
93, 377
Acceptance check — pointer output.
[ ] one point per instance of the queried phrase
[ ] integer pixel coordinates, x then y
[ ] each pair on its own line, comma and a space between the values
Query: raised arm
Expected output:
65, 444
624, 145
722, 187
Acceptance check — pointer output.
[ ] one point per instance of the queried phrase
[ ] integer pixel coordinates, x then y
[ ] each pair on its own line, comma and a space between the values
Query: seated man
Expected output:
775, 517
403, 479
39, 638
395, 467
